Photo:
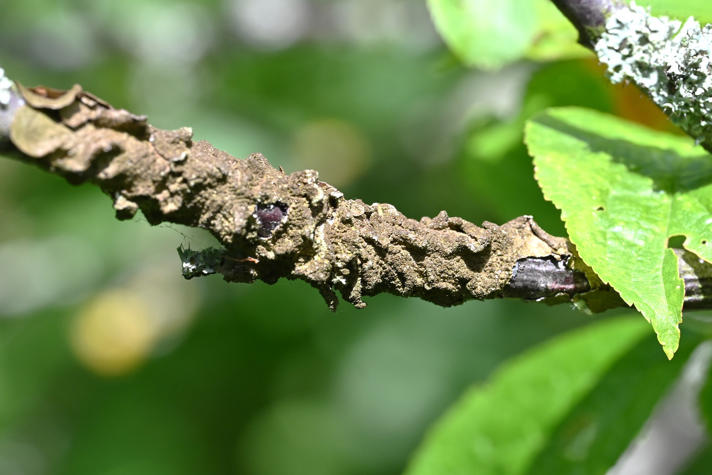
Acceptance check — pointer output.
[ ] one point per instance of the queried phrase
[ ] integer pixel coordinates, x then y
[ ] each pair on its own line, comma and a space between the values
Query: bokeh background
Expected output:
111, 363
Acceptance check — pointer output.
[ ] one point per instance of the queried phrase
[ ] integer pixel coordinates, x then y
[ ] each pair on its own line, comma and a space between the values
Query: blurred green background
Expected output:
111, 363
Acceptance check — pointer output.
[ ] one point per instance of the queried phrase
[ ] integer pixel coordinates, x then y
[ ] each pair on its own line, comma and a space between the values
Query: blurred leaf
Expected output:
491, 33
624, 190
701, 462
495, 148
556, 37
33, 355
594, 434
371, 87
705, 400
562, 83
486, 33
501, 426
275, 442
155, 432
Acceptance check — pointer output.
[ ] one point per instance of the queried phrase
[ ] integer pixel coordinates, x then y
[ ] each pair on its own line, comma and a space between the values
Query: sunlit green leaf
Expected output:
501, 426
624, 190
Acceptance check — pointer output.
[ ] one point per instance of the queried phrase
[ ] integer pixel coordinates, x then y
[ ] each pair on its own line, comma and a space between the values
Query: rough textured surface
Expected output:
271, 224
275, 225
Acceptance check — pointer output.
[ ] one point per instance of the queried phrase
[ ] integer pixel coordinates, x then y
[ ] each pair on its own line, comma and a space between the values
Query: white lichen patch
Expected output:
5, 89
668, 59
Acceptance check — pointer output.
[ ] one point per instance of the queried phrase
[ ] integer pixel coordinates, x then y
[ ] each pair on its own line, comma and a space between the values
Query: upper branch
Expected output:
588, 16
667, 59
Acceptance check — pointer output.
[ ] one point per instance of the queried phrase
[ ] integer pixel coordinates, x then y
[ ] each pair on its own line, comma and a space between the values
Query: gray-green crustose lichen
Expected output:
668, 59
5, 89
10, 101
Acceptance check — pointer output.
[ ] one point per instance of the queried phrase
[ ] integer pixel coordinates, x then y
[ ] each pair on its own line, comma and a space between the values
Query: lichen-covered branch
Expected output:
667, 59
273, 225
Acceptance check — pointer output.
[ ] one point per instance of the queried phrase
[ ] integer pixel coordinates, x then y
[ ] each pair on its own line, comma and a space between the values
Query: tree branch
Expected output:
667, 59
275, 225
588, 16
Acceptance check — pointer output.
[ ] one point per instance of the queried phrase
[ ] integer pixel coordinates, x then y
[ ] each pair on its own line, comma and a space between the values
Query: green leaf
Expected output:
491, 33
556, 38
594, 434
705, 402
700, 9
700, 463
485, 33
501, 426
494, 148
623, 191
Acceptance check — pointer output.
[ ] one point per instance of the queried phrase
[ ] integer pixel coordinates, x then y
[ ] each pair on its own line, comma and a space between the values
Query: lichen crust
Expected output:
5, 89
668, 59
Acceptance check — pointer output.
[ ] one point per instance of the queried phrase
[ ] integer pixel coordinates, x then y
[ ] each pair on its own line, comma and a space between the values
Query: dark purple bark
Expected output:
588, 16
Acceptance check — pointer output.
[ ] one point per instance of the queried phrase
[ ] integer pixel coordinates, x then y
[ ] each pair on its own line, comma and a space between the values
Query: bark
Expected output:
273, 225
588, 16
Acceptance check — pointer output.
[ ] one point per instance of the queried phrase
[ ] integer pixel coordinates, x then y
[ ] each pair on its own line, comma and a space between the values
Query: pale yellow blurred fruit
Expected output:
113, 333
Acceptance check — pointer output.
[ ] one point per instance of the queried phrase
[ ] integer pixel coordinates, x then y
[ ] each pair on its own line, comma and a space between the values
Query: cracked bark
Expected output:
275, 225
